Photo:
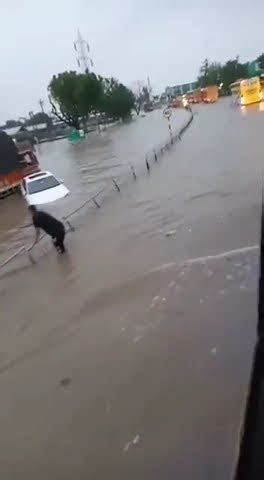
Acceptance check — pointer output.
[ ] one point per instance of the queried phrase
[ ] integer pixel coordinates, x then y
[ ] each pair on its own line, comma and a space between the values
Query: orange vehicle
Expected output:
195, 96
176, 103
210, 94
14, 165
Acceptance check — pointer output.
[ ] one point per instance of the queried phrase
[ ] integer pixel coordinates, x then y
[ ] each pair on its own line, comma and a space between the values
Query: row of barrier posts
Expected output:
94, 199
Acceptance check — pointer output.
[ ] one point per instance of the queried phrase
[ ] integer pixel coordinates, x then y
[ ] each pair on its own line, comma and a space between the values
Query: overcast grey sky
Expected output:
129, 39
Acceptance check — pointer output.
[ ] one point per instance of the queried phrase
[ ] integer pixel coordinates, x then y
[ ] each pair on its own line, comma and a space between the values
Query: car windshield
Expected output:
42, 184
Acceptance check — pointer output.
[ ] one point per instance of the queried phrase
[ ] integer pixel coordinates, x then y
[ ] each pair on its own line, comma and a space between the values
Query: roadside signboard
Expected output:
167, 112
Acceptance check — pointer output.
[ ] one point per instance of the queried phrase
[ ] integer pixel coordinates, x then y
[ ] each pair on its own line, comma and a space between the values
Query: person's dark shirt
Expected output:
48, 223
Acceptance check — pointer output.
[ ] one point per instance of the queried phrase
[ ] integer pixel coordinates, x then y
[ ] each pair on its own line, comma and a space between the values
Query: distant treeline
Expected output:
216, 73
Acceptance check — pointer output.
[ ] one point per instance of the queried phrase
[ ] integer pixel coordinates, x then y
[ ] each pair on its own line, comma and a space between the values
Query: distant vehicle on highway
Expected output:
148, 107
247, 91
42, 187
210, 94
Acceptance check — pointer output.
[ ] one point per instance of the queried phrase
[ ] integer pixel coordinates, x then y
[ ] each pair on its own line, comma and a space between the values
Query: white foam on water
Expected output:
228, 253
132, 442
138, 338
229, 277
136, 439
192, 261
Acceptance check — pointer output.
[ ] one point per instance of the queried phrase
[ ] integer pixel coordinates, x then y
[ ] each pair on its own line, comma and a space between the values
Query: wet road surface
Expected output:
130, 356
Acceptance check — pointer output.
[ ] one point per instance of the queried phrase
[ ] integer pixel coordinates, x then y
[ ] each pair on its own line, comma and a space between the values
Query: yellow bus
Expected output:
247, 91
250, 91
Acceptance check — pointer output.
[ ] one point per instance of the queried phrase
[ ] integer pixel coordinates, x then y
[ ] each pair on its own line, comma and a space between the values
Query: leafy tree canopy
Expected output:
215, 73
40, 117
75, 96
141, 96
260, 61
12, 124
118, 100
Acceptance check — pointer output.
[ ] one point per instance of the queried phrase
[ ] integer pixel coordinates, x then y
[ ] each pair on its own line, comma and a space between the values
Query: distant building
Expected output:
182, 89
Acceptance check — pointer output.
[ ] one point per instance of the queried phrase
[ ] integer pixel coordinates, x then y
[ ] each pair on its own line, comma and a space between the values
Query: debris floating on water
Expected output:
154, 301
170, 233
127, 446
137, 338
135, 441
65, 381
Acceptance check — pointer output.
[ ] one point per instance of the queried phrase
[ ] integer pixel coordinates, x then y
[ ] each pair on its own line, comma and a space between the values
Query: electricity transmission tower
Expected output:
82, 49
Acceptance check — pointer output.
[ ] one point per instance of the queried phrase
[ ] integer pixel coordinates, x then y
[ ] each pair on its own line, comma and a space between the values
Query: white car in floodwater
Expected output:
42, 187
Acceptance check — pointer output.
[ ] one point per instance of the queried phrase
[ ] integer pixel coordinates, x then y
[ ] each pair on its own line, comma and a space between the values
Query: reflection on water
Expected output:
254, 108
12, 217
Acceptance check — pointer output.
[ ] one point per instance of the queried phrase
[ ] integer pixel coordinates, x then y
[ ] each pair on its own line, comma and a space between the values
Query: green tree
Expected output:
117, 100
12, 124
40, 117
233, 70
209, 73
74, 96
215, 73
141, 97
260, 61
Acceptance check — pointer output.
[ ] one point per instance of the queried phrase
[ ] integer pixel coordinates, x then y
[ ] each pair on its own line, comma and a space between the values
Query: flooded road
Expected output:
130, 357
86, 168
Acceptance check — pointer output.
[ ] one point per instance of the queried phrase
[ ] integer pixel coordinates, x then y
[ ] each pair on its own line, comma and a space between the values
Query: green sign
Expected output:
76, 136
254, 69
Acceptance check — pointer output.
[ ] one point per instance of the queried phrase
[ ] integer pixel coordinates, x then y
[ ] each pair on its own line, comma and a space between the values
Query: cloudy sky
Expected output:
129, 39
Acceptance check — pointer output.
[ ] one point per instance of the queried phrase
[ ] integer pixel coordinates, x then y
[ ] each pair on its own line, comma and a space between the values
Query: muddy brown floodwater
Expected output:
130, 356
87, 168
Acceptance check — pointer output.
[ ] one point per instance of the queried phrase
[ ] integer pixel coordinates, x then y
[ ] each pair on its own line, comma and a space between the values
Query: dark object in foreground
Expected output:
50, 225
251, 458
9, 159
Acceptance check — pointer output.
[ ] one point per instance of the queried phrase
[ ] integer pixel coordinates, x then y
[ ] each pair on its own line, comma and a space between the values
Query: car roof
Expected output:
34, 176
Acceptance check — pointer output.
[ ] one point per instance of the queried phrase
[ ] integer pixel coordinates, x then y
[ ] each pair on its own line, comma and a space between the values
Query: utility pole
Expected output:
149, 89
41, 103
82, 49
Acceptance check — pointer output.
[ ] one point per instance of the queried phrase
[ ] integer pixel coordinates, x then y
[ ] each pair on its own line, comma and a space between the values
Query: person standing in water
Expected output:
50, 225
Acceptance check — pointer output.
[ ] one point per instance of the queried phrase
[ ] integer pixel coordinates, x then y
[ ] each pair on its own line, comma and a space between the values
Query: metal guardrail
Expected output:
150, 157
